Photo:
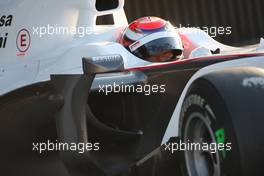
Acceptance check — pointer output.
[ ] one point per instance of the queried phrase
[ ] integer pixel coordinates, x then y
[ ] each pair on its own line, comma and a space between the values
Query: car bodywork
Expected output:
27, 79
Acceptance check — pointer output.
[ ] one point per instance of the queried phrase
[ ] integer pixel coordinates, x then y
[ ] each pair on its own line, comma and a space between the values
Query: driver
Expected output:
152, 39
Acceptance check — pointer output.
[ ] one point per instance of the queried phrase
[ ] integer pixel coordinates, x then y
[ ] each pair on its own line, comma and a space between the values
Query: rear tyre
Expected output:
207, 132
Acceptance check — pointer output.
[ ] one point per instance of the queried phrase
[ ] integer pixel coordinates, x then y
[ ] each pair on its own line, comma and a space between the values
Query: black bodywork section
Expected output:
128, 125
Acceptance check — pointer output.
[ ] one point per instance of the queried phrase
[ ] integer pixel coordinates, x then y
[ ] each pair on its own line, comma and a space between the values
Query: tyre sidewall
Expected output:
203, 98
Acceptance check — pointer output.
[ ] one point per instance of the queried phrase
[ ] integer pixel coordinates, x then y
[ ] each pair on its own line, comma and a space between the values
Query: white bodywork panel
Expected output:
62, 54
49, 54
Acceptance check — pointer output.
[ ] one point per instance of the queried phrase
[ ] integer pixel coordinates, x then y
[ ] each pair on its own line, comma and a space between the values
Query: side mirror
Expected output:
103, 64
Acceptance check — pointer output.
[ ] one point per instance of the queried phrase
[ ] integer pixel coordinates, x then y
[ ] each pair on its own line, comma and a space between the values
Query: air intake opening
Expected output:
103, 5
105, 20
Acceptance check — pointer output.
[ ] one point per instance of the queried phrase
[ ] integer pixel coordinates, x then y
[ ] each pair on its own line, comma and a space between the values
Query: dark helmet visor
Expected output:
159, 50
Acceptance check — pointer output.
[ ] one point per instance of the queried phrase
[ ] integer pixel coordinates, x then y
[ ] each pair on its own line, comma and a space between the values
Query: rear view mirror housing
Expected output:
103, 64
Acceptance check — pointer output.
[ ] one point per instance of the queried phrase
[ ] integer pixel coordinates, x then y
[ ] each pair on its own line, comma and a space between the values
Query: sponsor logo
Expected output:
23, 41
253, 82
111, 58
5, 21
134, 45
221, 140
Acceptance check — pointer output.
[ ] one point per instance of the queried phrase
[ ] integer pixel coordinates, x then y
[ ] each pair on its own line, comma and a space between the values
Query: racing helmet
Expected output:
152, 39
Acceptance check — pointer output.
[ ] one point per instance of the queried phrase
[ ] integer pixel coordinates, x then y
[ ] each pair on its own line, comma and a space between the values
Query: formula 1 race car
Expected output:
84, 105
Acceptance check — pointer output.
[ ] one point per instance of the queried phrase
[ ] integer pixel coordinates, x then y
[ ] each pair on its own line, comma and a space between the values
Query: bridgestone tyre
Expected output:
205, 121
